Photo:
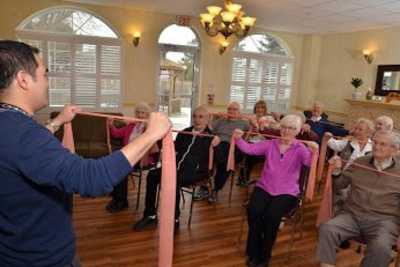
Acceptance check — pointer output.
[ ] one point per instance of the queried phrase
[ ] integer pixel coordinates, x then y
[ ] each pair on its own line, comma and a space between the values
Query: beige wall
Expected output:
140, 64
341, 59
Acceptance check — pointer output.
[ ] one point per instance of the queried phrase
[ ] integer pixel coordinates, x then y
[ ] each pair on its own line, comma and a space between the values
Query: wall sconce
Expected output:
223, 46
136, 38
368, 56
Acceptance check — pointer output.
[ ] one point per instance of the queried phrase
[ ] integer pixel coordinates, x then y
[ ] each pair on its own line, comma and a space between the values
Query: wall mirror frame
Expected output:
387, 80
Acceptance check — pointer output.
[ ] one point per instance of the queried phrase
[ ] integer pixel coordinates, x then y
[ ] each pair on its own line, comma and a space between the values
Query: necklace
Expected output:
14, 108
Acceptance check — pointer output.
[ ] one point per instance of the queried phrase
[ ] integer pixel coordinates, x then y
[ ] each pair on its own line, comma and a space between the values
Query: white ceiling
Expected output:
300, 16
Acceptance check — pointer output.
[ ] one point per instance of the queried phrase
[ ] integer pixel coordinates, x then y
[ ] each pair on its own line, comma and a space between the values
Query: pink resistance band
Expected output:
168, 183
230, 166
167, 195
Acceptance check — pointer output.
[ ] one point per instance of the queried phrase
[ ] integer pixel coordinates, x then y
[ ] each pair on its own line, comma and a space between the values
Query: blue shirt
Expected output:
36, 175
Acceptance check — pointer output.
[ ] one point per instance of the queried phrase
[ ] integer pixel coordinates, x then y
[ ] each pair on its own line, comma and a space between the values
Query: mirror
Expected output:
387, 79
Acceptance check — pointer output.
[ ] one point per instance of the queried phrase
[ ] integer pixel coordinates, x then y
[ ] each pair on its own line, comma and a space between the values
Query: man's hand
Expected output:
67, 114
237, 134
306, 128
158, 125
215, 141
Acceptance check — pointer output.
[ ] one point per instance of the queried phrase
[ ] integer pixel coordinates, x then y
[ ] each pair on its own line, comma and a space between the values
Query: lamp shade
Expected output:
214, 10
227, 16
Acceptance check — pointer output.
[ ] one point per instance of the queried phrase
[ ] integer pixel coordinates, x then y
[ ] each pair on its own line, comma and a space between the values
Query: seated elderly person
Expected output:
384, 123
127, 133
277, 191
372, 210
357, 145
316, 113
224, 128
319, 123
268, 125
192, 166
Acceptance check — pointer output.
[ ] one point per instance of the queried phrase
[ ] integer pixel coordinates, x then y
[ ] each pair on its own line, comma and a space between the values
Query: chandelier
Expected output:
228, 21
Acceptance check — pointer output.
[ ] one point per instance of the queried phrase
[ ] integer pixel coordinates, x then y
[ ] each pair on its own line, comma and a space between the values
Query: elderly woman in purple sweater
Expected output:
277, 190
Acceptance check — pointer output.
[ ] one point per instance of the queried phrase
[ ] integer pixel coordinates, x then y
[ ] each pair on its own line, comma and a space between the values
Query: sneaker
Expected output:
213, 197
146, 222
116, 206
200, 194
345, 244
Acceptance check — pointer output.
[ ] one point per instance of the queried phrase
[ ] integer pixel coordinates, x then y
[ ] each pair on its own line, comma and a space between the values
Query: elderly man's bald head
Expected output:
386, 144
233, 110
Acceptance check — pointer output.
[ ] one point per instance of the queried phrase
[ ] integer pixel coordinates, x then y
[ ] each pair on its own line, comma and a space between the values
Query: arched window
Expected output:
83, 55
262, 68
177, 91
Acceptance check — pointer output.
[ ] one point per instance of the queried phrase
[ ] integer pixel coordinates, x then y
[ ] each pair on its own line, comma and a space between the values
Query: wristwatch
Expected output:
54, 126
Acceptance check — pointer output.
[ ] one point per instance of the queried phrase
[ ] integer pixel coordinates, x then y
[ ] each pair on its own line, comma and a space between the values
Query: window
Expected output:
261, 69
177, 91
83, 56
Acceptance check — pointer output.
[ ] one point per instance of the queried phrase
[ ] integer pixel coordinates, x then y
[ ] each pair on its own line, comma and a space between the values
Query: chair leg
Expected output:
191, 207
232, 175
292, 238
139, 190
301, 221
242, 222
183, 198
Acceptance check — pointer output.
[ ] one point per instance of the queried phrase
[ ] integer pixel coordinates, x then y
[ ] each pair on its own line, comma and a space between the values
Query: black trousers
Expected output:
152, 183
120, 192
264, 215
221, 160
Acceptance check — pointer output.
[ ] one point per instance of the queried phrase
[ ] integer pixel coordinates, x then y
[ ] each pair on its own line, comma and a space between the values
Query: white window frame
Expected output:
74, 40
279, 105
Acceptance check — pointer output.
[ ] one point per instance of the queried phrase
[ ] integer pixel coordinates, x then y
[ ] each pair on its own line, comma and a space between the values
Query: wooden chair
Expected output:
295, 217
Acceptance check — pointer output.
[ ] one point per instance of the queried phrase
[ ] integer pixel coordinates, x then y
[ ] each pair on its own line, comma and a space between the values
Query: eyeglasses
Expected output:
285, 127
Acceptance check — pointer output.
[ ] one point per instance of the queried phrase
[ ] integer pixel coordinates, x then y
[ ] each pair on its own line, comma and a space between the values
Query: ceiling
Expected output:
299, 16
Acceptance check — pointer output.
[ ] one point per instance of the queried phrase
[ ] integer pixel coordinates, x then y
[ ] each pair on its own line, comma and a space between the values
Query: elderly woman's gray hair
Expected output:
292, 120
393, 136
143, 107
386, 121
201, 109
370, 125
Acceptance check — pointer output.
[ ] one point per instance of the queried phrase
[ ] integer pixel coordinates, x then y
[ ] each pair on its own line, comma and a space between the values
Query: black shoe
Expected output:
200, 194
251, 263
345, 244
146, 222
116, 206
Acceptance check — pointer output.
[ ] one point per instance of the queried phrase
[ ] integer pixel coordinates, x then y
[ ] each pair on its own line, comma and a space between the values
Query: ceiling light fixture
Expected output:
227, 21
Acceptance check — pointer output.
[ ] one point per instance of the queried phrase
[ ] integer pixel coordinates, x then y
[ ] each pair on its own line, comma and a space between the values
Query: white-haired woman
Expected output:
127, 133
358, 145
277, 190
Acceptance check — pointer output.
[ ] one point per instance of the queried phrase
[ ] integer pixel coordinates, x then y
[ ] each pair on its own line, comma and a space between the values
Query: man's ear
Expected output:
22, 79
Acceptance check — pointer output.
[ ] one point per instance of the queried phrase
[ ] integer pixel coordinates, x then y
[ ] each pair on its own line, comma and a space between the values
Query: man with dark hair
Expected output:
38, 174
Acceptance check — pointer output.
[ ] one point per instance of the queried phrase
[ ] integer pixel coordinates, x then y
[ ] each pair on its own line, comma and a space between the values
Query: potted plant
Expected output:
356, 82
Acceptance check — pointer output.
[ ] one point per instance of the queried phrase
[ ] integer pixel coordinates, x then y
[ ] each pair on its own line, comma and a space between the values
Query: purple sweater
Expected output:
280, 175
